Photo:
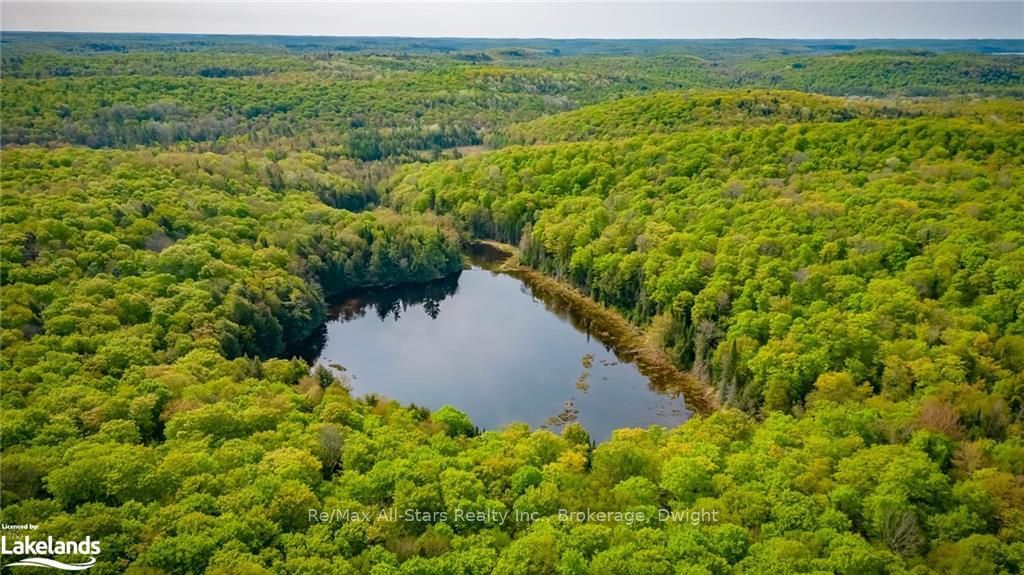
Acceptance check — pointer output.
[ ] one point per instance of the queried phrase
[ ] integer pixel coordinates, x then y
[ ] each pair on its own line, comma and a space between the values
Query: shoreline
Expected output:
613, 328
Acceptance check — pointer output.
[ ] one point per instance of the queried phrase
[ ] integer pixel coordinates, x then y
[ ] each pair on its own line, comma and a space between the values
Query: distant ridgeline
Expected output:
846, 272
377, 98
102, 43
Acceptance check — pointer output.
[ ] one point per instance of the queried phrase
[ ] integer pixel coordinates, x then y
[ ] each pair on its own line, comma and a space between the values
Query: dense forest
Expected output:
828, 236
371, 106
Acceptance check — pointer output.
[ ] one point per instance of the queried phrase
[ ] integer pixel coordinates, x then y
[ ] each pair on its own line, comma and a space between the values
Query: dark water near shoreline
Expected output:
489, 345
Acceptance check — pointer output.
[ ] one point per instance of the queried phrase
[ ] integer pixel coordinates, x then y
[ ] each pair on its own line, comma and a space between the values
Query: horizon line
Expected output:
528, 38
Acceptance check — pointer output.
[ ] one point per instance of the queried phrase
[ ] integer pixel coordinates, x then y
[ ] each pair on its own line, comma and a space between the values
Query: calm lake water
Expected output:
487, 344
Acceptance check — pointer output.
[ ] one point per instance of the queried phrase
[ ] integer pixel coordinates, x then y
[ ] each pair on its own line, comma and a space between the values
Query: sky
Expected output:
532, 19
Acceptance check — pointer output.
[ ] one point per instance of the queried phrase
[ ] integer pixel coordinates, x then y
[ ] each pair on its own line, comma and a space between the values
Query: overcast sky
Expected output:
764, 19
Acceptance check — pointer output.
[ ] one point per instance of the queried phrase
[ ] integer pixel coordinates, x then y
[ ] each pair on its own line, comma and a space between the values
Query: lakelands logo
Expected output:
34, 548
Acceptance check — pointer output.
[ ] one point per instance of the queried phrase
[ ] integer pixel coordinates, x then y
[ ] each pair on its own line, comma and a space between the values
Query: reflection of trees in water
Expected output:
486, 256
385, 302
568, 310
432, 307
394, 301
663, 378
310, 349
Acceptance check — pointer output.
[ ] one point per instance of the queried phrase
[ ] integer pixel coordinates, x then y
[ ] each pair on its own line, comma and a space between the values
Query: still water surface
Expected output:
489, 345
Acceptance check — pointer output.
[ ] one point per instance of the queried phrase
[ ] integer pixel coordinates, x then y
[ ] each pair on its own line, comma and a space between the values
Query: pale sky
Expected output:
624, 19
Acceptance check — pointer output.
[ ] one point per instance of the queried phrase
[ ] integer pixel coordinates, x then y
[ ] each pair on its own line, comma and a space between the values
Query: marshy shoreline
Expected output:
630, 342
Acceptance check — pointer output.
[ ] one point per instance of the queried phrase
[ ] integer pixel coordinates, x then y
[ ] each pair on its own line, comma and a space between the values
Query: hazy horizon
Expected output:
762, 20
527, 38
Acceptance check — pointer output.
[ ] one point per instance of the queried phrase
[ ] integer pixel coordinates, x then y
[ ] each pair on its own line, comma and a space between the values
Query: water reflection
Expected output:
496, 348
394, 301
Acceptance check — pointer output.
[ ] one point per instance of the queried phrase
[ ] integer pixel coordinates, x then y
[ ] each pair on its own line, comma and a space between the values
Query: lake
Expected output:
490, 345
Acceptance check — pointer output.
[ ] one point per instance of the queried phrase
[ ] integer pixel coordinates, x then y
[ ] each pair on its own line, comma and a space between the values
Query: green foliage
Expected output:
667, 112
454, 421
884, 72
863, 250
848, 274
136, 276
